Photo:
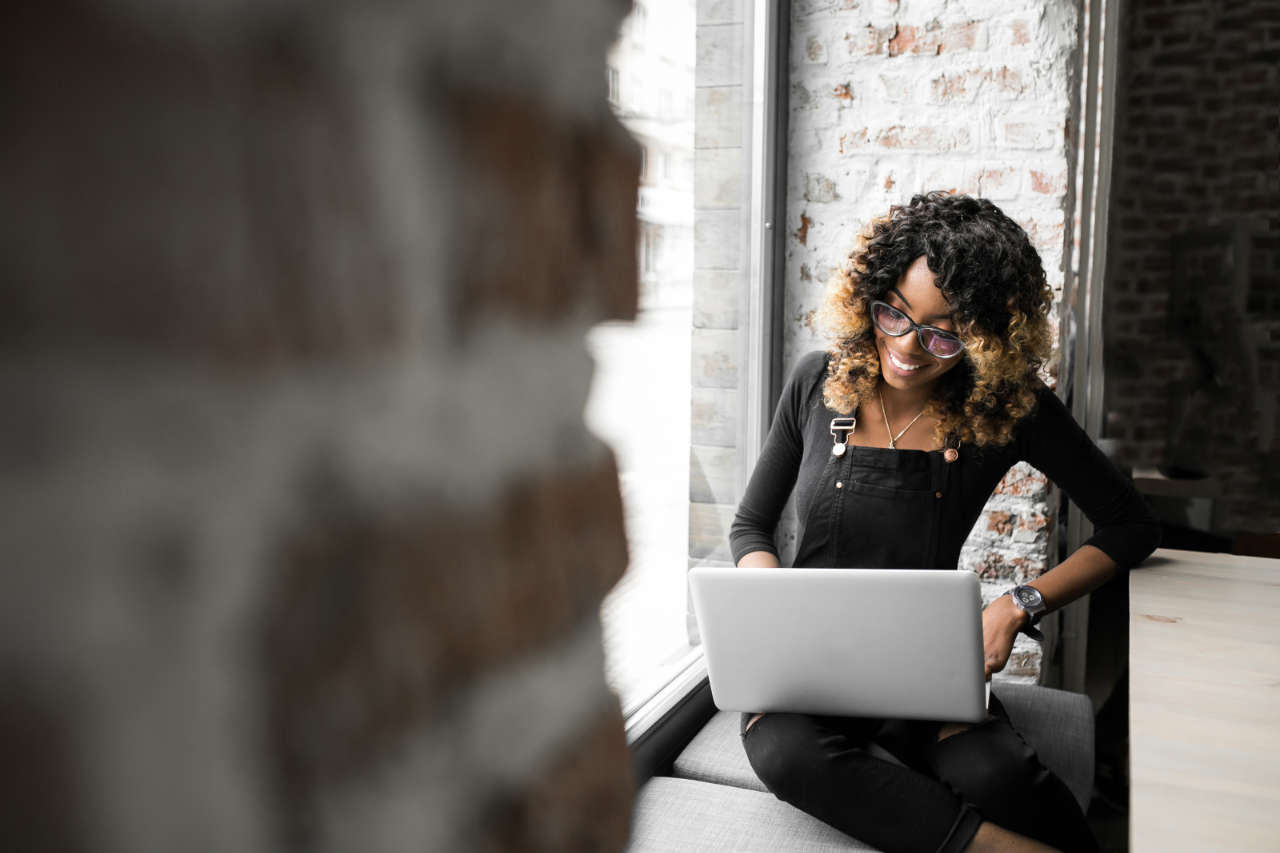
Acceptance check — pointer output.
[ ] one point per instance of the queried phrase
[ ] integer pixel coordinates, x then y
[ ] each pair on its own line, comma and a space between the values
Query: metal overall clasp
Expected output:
840, 442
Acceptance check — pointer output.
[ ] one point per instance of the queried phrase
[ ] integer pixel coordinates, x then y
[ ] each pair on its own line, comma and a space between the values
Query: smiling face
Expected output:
904, 364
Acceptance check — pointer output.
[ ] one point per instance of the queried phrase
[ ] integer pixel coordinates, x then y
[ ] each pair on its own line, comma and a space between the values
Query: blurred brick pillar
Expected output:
303, 535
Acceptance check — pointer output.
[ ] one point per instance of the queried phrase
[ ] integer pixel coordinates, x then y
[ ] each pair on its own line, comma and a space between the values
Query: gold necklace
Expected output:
893, 438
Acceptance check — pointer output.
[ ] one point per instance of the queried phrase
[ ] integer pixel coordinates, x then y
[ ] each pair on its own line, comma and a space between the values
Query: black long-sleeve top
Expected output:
878, 508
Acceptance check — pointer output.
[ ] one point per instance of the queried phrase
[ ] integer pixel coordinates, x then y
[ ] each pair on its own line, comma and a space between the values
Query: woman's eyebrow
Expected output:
898, 293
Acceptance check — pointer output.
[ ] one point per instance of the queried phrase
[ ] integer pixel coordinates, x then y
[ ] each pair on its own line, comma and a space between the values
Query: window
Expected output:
638, 23
649, 249
613, 86
673, 392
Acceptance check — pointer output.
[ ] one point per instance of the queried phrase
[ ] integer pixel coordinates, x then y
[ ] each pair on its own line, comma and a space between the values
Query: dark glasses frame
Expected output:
919, 329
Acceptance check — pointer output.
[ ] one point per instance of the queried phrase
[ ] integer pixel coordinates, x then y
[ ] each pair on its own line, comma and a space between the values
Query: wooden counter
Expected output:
1204, 712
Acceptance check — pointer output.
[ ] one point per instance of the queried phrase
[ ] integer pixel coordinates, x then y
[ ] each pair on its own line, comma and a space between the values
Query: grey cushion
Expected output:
1057, 724
715, 755
680, 815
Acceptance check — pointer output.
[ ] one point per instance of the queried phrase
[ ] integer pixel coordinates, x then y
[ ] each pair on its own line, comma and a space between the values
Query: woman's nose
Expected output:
911, 341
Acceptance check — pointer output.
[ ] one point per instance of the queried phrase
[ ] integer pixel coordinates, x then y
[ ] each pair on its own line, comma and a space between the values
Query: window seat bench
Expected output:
712, 800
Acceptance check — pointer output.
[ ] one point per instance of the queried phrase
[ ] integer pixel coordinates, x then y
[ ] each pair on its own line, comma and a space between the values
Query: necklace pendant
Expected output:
889, 429
951, 454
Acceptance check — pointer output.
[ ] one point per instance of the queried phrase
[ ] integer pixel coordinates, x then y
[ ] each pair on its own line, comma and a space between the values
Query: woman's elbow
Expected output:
746, 537
1145, 539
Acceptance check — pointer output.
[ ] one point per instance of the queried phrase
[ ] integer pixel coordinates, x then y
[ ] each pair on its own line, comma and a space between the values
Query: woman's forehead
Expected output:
919, 291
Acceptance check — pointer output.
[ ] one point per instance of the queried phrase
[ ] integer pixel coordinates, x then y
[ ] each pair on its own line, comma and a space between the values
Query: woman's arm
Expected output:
751, 534
1125, 530
758, 560
1084, 571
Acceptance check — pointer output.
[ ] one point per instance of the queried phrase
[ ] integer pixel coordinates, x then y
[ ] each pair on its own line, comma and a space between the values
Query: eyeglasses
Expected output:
894, 323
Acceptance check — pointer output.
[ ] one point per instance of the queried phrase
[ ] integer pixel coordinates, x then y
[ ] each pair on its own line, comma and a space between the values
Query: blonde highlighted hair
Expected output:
994, 281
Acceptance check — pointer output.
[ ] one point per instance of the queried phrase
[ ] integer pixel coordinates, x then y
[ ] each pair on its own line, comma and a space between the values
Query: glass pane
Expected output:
640, 405
667, 395
640, 398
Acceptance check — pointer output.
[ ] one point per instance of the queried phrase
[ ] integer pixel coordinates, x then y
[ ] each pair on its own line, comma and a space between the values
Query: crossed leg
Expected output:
991, 766
966, 774
821, 766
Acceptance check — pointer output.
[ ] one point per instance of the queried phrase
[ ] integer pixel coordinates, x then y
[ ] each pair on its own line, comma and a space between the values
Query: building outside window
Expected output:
614, 97
638, 24
666, 394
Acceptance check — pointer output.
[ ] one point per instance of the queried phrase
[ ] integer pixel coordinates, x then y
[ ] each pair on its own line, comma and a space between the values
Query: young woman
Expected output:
893, 441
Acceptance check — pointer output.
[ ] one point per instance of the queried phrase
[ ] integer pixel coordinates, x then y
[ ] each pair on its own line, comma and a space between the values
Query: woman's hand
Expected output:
759, 560
1085, 570
1000, 624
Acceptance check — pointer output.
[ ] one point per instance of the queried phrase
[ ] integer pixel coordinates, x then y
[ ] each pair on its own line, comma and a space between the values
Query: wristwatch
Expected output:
1028, 598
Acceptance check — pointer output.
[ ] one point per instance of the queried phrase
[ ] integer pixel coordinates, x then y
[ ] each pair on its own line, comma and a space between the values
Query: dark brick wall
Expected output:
1193, 281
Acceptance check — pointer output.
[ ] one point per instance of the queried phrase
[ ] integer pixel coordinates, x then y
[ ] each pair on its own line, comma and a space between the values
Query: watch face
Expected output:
1028, 596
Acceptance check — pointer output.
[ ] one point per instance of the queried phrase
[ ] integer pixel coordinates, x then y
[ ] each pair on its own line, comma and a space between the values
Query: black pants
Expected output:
935, 803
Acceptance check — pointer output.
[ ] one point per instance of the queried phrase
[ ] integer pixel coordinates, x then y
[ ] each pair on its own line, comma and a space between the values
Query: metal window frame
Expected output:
762, 360
1098, 94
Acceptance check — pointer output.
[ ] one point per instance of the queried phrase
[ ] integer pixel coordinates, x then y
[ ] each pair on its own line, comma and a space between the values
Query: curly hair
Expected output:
994, 281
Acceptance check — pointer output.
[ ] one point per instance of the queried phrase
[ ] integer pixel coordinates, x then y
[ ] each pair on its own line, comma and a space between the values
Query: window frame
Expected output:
614, 80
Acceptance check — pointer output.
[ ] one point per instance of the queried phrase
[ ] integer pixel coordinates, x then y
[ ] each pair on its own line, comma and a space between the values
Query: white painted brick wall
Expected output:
721, 200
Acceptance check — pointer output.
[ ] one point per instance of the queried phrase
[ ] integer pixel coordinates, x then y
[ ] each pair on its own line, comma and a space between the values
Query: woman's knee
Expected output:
991, 766
782, 750
988, 762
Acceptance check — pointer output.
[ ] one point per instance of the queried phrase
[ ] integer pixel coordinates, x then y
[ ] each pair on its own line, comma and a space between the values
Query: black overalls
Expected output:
875, 508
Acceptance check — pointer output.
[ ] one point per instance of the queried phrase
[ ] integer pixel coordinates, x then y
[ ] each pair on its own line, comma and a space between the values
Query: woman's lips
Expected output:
901, 365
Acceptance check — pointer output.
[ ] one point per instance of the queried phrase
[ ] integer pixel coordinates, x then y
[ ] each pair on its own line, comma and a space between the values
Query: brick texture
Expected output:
1192, 319
935, 96
454, 593
270, 272
721, 201
566, 196
579, 805
246, 277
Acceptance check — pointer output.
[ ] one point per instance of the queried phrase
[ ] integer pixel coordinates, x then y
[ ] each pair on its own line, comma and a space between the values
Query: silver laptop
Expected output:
892, 643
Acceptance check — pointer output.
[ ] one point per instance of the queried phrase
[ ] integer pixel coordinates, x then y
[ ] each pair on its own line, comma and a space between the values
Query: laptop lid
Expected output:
892, 643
